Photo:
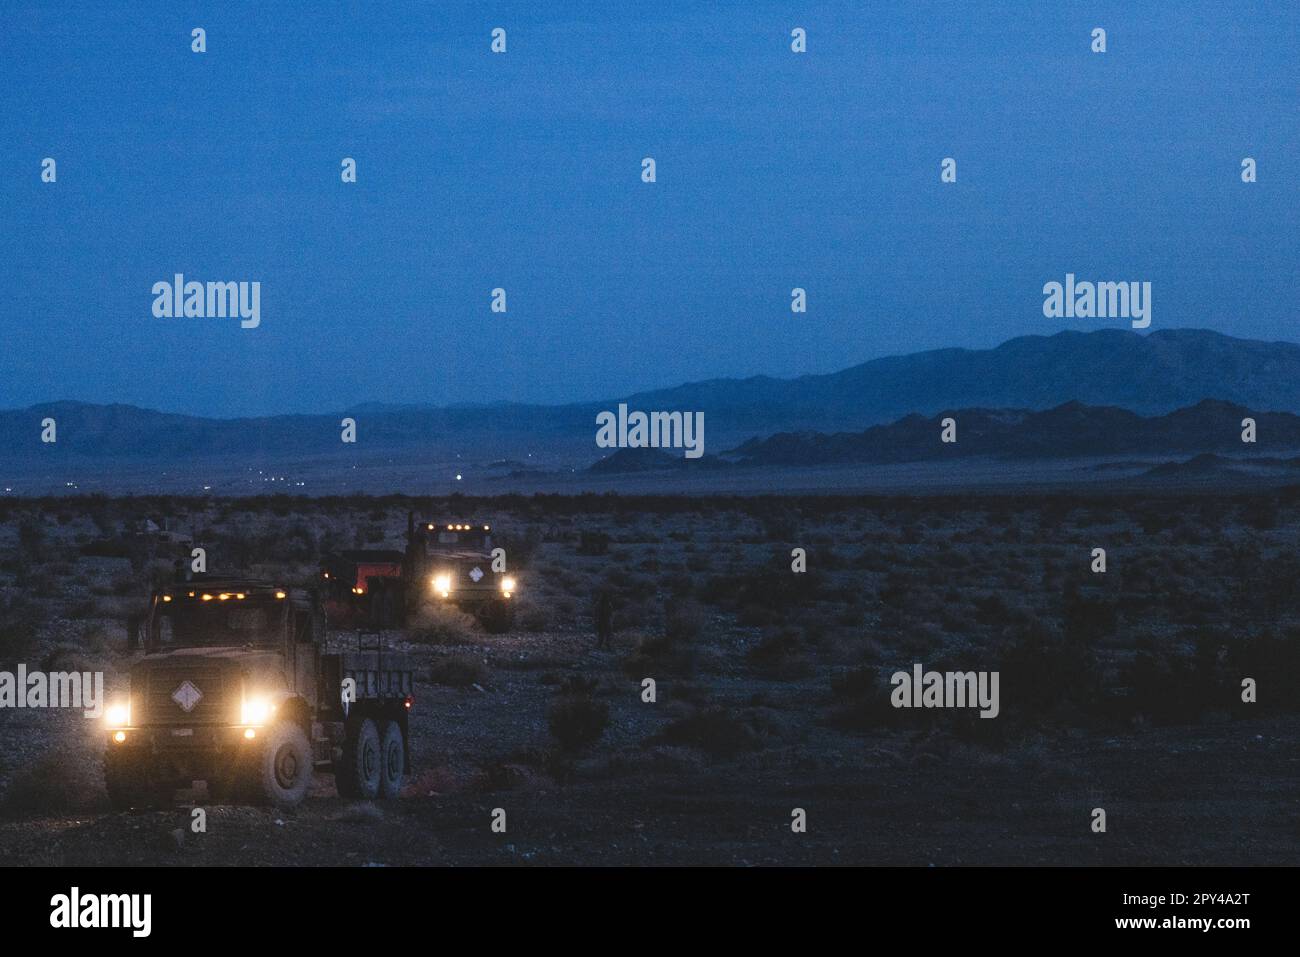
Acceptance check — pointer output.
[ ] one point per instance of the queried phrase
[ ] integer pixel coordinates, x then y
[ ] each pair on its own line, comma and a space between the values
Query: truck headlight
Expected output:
255, 710
118, 716
442, 585
507, 586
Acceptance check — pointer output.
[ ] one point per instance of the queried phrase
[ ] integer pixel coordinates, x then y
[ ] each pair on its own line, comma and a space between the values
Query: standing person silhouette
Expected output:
603, 614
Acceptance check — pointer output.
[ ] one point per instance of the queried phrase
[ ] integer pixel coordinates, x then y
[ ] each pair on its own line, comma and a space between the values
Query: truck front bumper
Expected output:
187, 750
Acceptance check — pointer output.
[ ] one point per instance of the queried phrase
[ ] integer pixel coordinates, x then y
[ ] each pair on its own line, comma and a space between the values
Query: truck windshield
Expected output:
212, 624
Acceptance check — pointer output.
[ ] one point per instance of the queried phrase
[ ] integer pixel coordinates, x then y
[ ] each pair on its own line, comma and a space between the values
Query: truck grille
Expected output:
203, 687
466, 579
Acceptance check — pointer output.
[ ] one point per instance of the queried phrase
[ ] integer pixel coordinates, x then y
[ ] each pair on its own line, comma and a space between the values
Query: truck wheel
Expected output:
360, 769
394, 761
130, 784
285, 765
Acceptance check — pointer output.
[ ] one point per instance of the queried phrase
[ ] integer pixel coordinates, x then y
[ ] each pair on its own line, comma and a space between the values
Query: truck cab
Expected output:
360, 585
452, 562
236, 687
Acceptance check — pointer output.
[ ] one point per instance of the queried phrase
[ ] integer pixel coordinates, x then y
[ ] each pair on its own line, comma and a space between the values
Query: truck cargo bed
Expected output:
377, 674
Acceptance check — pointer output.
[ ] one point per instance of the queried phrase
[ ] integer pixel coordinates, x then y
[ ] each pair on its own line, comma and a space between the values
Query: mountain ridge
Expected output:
1070, 430
1149, 374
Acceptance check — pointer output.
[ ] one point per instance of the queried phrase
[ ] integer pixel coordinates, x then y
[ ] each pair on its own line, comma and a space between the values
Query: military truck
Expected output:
358, 586
238, 688
452, 563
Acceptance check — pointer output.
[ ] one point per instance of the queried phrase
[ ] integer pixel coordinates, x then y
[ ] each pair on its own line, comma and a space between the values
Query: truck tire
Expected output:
393, 752
130, 783
361, 766
284, 765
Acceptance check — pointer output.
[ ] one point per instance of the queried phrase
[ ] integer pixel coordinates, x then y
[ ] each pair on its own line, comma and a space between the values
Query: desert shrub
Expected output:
698, 564
1087, 620
675, 650
1156, 520
781, 655
896, 589
43, 584
66, 658
683, 622
779, 525
458, 671
298, 543
57, 783
1260, 513
1044, 675
113, 606
859, 700
756, 616
1164, 687
532, 617
778, 588
655, 654
922, 640
125, 585
679, 585
442, 625
577, 686
1273, 660
991, 610
714, 731
31, 540
81, 608
593, 543
107, 548
618, 577
19, 620
576, 719
236, 549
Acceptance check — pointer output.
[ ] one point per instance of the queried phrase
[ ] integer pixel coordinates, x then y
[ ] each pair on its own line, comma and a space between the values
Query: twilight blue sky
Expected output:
523, 171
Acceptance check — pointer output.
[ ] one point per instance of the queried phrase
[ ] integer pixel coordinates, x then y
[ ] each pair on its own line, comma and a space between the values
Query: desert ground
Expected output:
1119, 690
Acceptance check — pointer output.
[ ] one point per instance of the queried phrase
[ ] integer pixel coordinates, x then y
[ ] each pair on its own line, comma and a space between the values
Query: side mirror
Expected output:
133, 627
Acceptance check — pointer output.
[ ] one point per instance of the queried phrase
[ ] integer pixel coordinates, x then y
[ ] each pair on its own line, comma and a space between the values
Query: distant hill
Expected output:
1210, 466
1071, 430
128, 432
625, 461
1155, 373
1115, 369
